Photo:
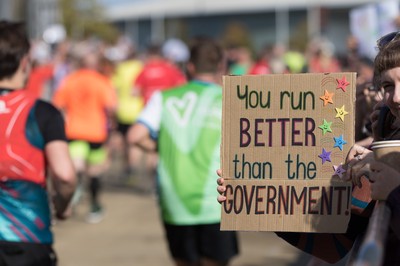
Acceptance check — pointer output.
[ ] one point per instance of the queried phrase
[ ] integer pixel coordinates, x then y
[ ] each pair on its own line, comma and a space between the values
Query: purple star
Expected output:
339, 170
325, 156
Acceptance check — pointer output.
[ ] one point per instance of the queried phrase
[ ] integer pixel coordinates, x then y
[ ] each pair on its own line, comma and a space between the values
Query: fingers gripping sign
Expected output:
384, 179
357, 152
221, 188
364, 170
357, 164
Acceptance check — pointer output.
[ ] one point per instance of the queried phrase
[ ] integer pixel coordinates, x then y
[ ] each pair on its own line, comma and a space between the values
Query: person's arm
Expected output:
393, 202
366, 142
144, 132
56, 151
384, 180
139, 135
62, 174
327, 246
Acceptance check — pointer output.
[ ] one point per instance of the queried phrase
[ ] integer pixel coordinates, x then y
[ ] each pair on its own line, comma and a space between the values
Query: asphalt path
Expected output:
131, 234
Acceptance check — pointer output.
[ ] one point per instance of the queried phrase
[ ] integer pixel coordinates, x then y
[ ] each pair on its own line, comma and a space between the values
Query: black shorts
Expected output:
193, 242
26, 254
123, 128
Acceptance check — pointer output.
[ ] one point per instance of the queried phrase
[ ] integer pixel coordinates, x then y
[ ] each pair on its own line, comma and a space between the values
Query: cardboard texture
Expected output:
285, 138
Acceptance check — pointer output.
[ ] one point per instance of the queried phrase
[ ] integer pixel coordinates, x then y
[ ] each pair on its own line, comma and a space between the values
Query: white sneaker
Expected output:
95, 217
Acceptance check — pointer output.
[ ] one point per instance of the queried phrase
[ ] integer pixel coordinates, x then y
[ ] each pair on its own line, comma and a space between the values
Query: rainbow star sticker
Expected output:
342, 84
340, 112
325, 156
327, 97
326, 127
339, 170
339, 142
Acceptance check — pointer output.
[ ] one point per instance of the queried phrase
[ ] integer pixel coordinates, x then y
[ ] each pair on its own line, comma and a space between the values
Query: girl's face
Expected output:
390, 80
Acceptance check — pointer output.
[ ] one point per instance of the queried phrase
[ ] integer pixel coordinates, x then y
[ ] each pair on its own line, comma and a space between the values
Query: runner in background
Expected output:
107, 69
261, 65
184, 125
42, 69
87, 101
49, 67
158, 74
128, 108
177, 52
243, 61
321, 57
33, 138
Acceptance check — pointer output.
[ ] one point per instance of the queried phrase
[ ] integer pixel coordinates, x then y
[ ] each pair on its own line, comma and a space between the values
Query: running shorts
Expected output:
26, 254
93, 153
193, 242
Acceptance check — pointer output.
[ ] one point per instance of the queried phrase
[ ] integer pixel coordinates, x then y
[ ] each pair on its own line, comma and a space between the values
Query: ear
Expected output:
191, 68
223, 67
25, 63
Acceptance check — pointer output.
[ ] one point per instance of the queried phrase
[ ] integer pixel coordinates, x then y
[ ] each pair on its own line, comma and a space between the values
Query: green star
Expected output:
326, 127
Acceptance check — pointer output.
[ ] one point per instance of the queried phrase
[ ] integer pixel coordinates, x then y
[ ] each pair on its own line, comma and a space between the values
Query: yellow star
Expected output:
340, 112
327, 97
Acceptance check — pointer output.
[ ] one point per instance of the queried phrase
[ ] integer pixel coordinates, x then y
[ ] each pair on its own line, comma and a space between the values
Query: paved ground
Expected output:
131, 234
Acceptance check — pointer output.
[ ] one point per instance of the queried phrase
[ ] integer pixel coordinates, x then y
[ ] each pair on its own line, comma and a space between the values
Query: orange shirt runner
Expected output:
85, 96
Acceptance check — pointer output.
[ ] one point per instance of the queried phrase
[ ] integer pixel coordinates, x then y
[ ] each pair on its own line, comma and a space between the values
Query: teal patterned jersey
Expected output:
24, 212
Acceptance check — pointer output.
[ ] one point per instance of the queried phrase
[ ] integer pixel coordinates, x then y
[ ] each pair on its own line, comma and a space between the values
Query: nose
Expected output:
396, 94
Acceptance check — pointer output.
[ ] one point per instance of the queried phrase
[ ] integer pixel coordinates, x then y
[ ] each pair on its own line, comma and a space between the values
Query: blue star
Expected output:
339, 170
325, 156
339, 142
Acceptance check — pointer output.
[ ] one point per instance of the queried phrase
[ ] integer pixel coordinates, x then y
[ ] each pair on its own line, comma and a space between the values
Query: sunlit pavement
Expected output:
131, 234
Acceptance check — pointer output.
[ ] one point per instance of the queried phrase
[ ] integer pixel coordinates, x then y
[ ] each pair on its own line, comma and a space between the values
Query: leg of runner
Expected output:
96, 167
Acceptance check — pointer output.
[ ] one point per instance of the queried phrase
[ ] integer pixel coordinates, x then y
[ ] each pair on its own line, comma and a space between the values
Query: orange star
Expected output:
327, 97
342, 84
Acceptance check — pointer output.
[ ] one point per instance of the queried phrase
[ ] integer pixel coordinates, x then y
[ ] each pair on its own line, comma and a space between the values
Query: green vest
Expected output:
189, 153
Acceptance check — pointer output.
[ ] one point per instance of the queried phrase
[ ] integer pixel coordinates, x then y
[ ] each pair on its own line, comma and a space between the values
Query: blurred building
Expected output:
40, 15
252, 22
12, 9
37, 14
284, 21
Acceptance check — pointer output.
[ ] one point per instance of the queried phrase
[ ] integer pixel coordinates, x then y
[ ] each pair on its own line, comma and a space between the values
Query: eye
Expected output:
388, 87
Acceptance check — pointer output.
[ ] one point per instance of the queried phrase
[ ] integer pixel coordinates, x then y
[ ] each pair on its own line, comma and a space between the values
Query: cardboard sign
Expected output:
284, 142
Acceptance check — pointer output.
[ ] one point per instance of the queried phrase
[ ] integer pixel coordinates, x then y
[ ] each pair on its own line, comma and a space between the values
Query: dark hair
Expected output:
366, 61
387, 58
14, 45
154, 49
206, 55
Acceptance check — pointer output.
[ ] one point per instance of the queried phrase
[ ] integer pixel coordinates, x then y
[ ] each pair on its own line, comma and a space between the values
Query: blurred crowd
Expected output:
134, 75
125, 80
